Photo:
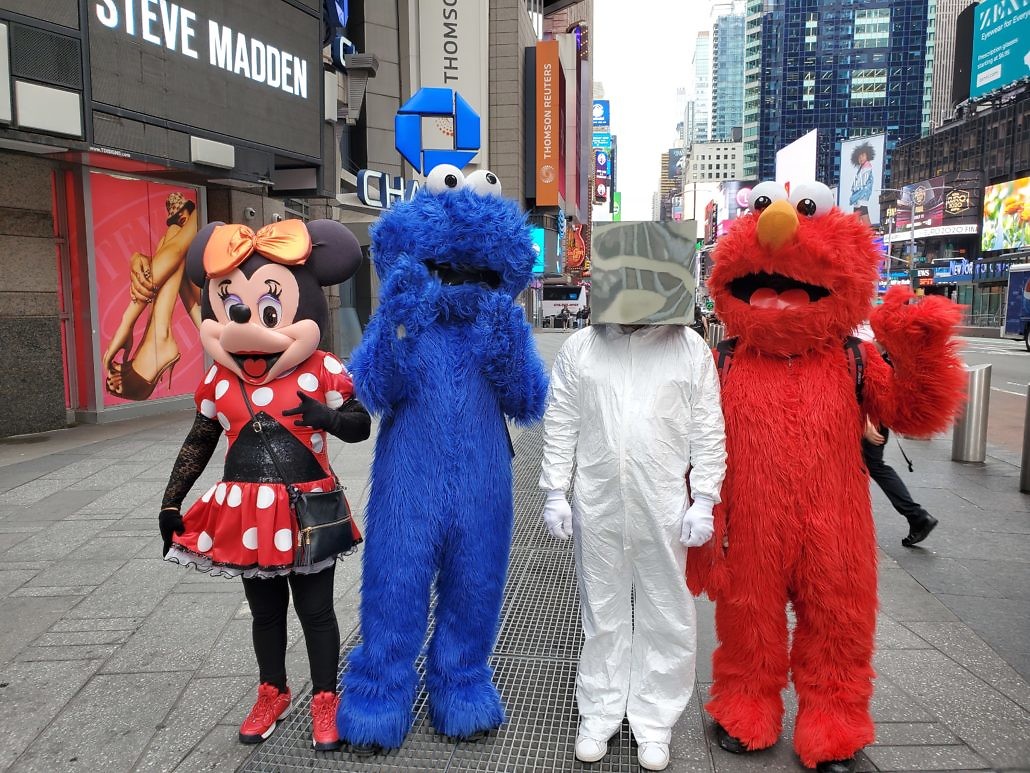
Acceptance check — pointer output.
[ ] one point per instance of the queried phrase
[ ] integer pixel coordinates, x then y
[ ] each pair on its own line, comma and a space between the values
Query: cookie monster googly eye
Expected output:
444, 178
484, 182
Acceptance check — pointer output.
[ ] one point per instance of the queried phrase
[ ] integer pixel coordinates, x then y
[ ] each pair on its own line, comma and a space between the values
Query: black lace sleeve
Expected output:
193, 458
351, 422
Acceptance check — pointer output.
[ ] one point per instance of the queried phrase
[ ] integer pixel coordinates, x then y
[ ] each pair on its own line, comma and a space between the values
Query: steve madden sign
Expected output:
178, 29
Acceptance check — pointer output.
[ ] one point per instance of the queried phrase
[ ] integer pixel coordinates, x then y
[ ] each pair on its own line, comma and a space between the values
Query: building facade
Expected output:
702, 86
727, 75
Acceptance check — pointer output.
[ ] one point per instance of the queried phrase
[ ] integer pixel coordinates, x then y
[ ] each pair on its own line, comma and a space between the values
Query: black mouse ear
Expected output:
335, 252
195, 254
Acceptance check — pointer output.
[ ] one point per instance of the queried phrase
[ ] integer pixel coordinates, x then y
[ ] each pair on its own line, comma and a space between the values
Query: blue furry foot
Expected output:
370, 722
463, 711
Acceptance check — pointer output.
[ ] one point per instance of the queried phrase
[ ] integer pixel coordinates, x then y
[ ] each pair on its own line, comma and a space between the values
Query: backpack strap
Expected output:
725, 349
856, 364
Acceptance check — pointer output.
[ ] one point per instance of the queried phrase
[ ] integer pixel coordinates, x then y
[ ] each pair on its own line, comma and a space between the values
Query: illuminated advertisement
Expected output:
540, 248
548, 123
602, 175
1006, 220
861, 177
922, 201
677, 163
1000, 55
148, 310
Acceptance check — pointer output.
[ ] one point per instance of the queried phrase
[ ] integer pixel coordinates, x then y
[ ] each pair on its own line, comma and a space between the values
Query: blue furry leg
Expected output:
378, 688
470, 587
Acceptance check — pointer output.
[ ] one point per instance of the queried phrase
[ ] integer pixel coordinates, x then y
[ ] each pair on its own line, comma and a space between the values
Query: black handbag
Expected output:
323, 517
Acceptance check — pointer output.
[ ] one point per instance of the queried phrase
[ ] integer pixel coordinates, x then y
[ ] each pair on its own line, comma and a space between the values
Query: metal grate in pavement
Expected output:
534, 664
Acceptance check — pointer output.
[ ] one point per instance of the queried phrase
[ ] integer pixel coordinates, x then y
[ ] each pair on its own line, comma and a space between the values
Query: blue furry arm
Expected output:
380, 367
510, 362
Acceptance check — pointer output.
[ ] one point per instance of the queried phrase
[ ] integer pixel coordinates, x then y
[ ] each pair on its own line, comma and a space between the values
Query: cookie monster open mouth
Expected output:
775, 291
255, 365
460, 275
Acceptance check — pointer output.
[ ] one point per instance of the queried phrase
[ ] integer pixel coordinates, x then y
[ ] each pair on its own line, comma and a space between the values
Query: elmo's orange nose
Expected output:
777, 224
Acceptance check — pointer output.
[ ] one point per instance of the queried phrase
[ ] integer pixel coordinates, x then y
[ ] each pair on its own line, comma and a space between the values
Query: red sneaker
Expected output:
324, 736
272, 705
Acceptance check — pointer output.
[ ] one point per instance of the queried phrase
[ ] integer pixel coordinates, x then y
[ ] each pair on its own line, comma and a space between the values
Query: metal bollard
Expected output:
1024, 472
715, 335
969, 441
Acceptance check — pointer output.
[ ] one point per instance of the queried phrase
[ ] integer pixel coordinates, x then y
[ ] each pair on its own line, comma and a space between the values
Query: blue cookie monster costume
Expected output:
445, 357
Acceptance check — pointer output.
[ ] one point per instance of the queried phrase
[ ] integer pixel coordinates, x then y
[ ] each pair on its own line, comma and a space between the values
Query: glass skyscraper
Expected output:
727, 76
844, 67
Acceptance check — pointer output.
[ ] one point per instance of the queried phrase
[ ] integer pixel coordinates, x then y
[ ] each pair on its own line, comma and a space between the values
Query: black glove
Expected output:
350, 423
169, 522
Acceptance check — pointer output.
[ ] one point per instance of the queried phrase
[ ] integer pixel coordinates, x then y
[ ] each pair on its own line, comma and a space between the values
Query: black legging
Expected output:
885, 476
313, 600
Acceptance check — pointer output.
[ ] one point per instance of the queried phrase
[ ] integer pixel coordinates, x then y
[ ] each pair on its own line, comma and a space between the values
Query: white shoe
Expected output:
590, 749
653, 755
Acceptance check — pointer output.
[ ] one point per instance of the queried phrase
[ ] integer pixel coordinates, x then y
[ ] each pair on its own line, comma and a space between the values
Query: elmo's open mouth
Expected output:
255, 365
460, 275
775, 291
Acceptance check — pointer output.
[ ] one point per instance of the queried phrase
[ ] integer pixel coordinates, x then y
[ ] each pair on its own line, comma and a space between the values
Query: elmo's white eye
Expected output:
812, 199
764, 194
445, 178
484, 182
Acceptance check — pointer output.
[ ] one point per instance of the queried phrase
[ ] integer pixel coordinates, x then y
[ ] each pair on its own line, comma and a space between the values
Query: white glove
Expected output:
698, 523
558, 514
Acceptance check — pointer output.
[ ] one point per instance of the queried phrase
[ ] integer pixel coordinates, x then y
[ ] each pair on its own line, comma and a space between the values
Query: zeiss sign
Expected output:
436, 103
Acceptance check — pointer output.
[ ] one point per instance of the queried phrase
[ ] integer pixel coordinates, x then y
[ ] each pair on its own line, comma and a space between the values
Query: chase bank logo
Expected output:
436, 103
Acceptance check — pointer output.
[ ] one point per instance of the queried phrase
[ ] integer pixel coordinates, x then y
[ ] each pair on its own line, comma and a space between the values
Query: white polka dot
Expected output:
220, 493
333, 399
265, 497
283, 540
262, 396
307, 382
211, 374
317, 489
317, 442
221, 388
250, 538
235, 496
333, 365
207, 408
223, 420
209, 494
204, 542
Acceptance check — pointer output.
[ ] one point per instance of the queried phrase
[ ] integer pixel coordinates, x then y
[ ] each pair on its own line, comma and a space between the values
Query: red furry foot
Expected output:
754, 722
820, 735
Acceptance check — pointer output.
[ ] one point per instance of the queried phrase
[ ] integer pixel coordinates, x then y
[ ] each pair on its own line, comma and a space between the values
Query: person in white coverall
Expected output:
635, 407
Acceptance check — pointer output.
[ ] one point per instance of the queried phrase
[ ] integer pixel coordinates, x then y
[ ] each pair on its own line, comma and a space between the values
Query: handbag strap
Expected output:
294, 491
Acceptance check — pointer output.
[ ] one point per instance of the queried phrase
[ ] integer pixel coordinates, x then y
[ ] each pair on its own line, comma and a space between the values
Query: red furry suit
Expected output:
791, 280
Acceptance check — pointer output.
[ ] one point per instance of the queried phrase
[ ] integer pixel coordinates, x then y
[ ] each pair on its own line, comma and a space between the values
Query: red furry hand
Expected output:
905, 328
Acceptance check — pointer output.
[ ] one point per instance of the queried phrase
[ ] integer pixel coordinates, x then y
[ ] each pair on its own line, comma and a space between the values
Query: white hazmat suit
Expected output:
635, 408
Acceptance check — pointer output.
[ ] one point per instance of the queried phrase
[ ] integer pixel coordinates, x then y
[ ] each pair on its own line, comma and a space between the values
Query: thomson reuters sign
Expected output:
548, 125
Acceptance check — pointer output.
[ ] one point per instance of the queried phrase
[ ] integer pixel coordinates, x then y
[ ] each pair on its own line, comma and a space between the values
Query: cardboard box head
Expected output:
643, 273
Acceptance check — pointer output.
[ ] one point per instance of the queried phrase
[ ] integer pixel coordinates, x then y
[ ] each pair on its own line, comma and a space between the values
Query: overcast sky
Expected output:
642, 52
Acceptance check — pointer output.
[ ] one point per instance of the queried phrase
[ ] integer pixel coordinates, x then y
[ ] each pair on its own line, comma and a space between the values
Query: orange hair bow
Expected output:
286, 242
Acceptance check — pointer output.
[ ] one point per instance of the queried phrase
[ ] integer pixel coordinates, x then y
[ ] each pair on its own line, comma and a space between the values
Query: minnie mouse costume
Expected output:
263, 314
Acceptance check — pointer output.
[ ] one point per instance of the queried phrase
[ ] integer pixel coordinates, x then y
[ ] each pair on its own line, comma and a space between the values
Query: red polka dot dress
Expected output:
243, 525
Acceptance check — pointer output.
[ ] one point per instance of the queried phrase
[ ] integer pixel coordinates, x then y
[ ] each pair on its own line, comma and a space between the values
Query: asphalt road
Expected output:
1010, 374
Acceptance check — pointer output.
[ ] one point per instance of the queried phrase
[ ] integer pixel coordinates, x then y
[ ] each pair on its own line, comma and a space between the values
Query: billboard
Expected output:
1001, 46
616, 206
245, 70
150, 347
539, 248
861, 177
548, 123
452, 53
602, 175
1006, 216
796, 161
923, 202
677, 163
602, 117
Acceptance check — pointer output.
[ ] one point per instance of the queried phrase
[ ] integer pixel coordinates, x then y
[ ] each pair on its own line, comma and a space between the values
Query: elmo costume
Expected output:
791, 280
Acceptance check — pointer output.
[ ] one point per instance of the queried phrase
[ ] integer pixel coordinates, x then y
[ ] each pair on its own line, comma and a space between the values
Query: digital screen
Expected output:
540, 248
245, 70
1006, 224
1000, 54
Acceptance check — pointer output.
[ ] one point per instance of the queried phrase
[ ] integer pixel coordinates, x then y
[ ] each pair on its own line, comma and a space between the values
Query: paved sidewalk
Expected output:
111, 659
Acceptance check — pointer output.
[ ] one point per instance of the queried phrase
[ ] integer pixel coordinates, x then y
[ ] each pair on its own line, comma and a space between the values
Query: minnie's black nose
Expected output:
239, 312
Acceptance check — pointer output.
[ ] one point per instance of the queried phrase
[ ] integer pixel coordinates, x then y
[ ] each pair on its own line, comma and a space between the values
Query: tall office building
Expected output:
943, 59
702, 86
846, 69
753, 20
727, 74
